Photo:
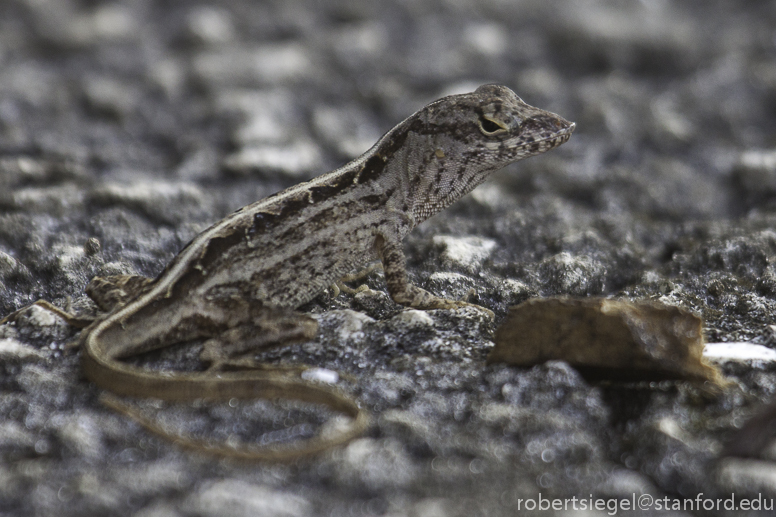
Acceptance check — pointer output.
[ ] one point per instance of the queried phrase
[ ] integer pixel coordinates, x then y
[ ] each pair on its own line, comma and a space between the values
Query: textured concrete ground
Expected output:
127, 127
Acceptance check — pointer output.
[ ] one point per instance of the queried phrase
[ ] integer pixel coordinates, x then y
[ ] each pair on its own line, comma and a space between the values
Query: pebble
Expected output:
748, 477
161, 200
577, 275
753, 355
467, 253
296, 160
321, 375
372, 464
349, 324
238, 498
267, 64
111, 97
347, 130
210, 25
755, 173
413, 318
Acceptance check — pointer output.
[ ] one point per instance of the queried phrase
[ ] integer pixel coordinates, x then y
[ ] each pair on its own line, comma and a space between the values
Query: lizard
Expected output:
237, 284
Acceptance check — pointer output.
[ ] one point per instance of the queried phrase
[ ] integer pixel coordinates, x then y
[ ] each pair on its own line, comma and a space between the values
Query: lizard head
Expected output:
466, 137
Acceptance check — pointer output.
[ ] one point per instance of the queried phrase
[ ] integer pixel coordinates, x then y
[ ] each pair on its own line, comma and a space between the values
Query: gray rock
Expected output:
296, 159
138, 124
237, 499
467, 253
211, 25
575, 275
756, 174
262, 65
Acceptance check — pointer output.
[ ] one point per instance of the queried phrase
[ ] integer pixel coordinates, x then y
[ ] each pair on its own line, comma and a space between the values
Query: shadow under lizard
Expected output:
236, 284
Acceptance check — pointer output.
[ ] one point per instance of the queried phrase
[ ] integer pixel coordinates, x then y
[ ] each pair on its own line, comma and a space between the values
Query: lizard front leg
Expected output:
401, 290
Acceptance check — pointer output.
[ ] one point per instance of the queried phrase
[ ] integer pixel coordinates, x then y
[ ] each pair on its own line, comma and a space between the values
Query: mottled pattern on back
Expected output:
287, 248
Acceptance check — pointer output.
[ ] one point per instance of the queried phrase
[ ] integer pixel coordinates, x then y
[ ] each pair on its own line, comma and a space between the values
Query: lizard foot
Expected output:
70, 319
417, 298
444, 303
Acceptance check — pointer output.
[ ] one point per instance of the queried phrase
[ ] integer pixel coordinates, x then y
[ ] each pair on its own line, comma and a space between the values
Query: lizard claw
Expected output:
489, 313
462, 305
444, 303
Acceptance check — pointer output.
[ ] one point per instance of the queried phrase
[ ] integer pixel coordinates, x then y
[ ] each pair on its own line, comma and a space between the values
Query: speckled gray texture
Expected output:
139, 123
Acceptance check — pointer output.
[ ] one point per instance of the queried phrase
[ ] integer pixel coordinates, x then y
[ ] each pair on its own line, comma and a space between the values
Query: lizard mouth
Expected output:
563, 135
550, 139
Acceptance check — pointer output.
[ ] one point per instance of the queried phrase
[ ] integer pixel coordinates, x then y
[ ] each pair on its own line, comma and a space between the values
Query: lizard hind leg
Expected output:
246, 380
341, 286
267, 328
109, 292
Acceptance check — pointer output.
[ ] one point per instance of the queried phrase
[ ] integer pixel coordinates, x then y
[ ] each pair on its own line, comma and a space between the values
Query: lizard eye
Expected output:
490, 127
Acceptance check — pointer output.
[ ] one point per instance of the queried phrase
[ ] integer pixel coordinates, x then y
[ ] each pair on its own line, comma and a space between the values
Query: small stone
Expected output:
12, 350
467, 253
170, 75
52, 200
22, 169
632, 36
376, 304
606, 338
491, 195
264, 64
748, 476
454, 286
240, 499
414, 318
8, 264
514, 291
357, 43
577, 275
151, 477
210, 25
347, 130
159, 509
376, 465
15, 435
114, 21
157, 199
348, 324
37, 316
81, 433
755, 173
296, 159
69, 257
754, 356
111, 97
669, 119
321, 375
489, 39
269, 116
92, 247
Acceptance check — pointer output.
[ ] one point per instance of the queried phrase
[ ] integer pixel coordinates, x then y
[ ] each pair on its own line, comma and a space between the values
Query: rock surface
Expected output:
126, 128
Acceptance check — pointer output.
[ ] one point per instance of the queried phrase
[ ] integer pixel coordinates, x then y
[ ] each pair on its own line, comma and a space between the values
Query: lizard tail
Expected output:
333, 437
126, 380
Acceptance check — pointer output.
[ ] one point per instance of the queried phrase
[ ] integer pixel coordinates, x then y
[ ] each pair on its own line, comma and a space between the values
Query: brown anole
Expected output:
236, 284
